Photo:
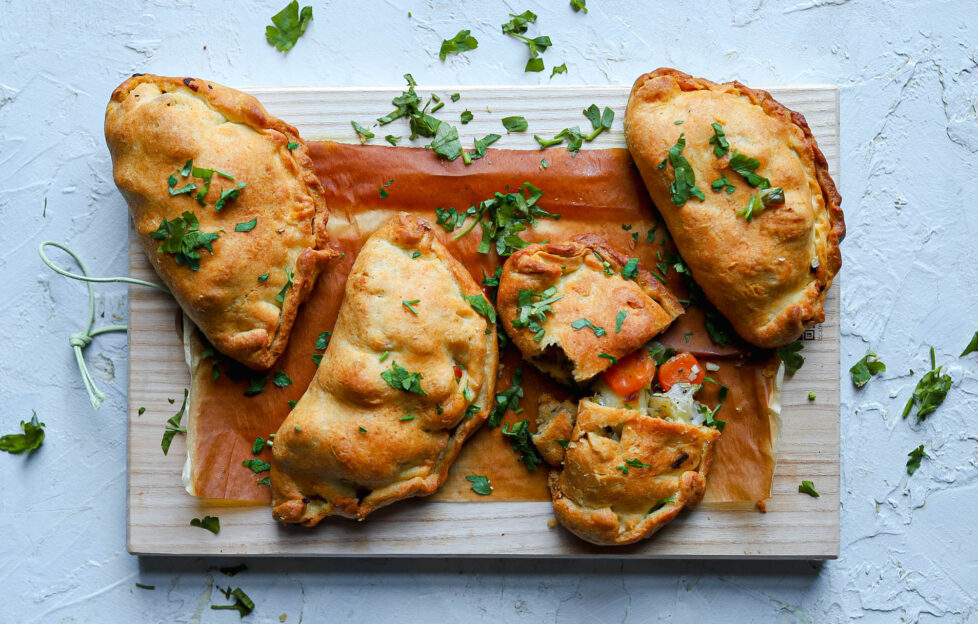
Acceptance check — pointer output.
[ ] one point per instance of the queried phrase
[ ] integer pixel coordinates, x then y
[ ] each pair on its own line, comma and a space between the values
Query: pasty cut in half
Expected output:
746, 195
574, 307
408, 376
226, 205
626, 473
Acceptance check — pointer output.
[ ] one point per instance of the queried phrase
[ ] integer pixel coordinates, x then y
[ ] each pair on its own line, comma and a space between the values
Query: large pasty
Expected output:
628, 472
226, 204
409, 374
746, 195
575, 307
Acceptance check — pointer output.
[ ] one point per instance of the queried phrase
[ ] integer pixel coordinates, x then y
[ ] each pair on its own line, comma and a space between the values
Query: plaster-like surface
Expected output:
909, 78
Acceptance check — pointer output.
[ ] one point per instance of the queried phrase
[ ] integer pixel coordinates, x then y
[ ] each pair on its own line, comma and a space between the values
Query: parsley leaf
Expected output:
257, 465
247, 226
630, 270
519, 25
242, 603
608, 357
600, 121
915, 456
746, 167
972, 346
709, 415
173, 425
634, 463
723, 184
719, 141
362, 133
532, 308
29, 441
790, 356
515, 124
684, 183
620, 320
522, 443
258, 445
400, 379
229, 194
581, 323
281, 379
182, 237
461, 42
507, 216
211, 523
480, 484
322, 340
508, 399
480, 305
255, 385
446, 143
579, 5
559, 69
409, 303
866, 368
289, 25
280, 297
807, 487
390, 138
930, 392
466, 117
753, 207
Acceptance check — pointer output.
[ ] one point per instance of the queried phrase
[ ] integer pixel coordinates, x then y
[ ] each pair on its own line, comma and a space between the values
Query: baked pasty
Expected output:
574, 307
226, 204
746, 195
555, 423
627, 473
409, 374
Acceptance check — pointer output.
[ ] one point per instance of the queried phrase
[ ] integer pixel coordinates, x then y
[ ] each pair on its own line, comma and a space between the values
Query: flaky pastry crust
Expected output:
153, 126
768, 276
603, 498
353, 443
587, 273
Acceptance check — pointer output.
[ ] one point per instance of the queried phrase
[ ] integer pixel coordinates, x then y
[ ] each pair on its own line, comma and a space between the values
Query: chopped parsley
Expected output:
361, 430
634, 463
600, 120
211, 523
608, 357
141, 586
291, 146
409, 303
280, 297
687, 335
247, 226
258, 445
683, 186
390, 138
508, 399
522, 442
182, 237
256, 384
972, 346
519, 25
466, 117
866, 368
281, 379
173, 425
384, 355
789, 354
811, 396
930, 392
660, 353
322, 340
399, 378
257, 465
29, 441
515, 124
630, 270
463, 41
480, 484
709, 415
502, 217
228, 195
747, 168
723, 184
262, 278
532, 308
579, 5
289, 25
915, 456
620, 320
719, 141
480, 305
242, 603
581, 323
142, 410
406, 418
383, 192
362, 133
807, 487
559, 69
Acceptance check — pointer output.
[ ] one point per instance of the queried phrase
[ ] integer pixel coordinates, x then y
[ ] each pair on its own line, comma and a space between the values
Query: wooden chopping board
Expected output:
159, 509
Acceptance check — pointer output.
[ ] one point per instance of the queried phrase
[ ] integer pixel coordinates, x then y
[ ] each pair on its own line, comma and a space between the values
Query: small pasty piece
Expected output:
555, 423
574, 307
408, 376
627, 474
226, 204
746, 195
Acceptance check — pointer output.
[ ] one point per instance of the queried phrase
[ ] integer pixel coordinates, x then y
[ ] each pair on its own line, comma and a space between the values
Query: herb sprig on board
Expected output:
445, 142
600, 121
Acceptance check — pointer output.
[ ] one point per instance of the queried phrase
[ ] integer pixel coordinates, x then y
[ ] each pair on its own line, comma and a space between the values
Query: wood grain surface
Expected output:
159, 509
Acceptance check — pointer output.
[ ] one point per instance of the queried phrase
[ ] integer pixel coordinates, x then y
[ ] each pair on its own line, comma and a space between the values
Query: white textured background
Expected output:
908, 72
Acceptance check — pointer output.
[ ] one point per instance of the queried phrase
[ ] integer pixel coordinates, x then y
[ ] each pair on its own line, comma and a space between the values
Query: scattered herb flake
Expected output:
141, 586
930, 392
684, 183
182, 237
258, 445
461, 42
211, 523
581, 323
289, 25
972, 346
579, 5
866, 368
515, 124
409, 303
791, 357
915, 456
281, 379
522, 443
559, 69
256, 385
508, 399
532, 309
480, 484
746, 167
399, 378
362, 133
608, 357
28, 441
630, 270
291, 146
719, 141
257, 465
173, 425
807, 487
242, 603
620, 320
322, 340
247, 226
280, 297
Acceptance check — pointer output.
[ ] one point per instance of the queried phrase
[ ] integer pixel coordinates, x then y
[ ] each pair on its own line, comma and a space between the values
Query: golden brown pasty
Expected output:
746, 195
555, 422
576, 306
626, 474
226, 204
409, 374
